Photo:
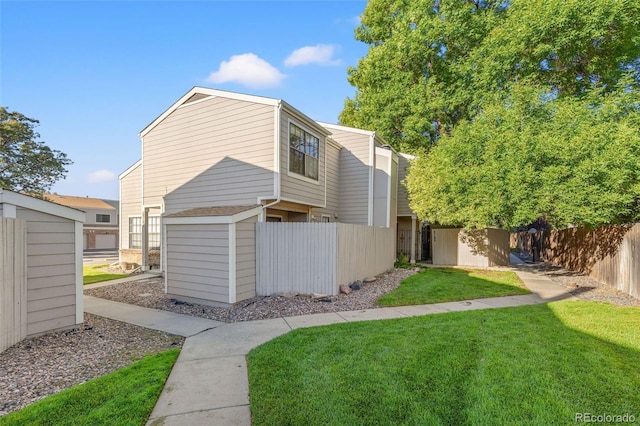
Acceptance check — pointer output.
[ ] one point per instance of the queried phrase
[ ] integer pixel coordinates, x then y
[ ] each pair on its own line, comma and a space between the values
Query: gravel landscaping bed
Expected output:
44, 365
149, 293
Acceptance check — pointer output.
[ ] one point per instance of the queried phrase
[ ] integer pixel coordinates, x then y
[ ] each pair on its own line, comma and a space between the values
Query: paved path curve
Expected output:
208, 383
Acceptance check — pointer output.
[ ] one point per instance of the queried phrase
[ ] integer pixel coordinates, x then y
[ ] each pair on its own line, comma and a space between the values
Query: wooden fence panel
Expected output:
309, 258
609, 254
295, 257
13, 282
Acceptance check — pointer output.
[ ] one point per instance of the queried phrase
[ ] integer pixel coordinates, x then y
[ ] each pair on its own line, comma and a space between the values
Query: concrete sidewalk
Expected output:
208, 383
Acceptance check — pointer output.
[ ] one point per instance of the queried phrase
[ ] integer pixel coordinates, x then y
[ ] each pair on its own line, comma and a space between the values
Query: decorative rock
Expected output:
344, 289
355, 285
369, 279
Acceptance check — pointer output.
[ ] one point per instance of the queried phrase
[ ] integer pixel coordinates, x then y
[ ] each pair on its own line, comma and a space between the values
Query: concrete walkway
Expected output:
208, 383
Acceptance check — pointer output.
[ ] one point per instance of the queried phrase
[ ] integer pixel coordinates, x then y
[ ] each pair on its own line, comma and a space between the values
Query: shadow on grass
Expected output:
541, 364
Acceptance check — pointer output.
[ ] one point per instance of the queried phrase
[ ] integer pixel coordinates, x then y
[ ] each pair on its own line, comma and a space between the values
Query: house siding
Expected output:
246, 259
296, 189
215, 152
403, 197
130, 202
198, 262
51, 273
333, 186
354, 176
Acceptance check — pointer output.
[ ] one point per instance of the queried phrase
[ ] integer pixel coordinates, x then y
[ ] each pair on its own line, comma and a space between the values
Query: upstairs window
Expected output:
103, 218
303, 152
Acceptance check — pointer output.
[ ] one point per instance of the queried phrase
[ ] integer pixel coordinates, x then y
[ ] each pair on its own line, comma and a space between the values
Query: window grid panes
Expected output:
135, 232
303, 152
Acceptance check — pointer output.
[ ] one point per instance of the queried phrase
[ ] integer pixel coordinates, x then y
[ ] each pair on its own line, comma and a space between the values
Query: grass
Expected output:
125, 397
436, 285
538, 364
95, 274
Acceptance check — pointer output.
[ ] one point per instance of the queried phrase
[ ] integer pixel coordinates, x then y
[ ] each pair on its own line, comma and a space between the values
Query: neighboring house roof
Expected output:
79, 202
197, 94
213, 211
32, 203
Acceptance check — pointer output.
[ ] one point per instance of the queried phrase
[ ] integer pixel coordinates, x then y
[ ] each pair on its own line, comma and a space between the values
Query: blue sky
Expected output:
95, 73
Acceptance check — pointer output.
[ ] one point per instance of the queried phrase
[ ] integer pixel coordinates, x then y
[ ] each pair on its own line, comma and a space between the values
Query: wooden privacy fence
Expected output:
13, 282
309, 258
609, 254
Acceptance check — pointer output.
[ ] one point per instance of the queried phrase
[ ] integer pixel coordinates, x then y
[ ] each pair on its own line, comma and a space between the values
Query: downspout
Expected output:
276, 164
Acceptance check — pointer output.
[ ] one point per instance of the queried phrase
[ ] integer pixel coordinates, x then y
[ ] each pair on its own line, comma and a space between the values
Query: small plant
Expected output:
402, 261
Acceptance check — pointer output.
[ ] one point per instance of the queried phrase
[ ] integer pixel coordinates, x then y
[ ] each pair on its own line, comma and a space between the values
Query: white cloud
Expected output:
101, 176
249, 70
319, 54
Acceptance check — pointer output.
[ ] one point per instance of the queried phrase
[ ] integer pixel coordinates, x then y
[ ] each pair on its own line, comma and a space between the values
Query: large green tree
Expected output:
26, 163
571, 160
431, 63
516, 109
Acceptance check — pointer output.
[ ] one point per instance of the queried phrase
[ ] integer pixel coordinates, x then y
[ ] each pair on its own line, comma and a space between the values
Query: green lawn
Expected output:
94, 274
538, 364
436, 285
125, 397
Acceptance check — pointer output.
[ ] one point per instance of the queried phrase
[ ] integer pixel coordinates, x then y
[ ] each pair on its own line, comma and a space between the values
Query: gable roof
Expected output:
79, 202
198, 93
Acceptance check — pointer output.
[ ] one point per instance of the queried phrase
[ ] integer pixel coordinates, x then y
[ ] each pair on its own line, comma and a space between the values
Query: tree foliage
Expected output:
571, 160
27, 164
515, 99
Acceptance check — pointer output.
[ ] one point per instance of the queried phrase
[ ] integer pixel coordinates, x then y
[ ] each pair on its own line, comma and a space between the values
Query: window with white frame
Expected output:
135, 232
303, 152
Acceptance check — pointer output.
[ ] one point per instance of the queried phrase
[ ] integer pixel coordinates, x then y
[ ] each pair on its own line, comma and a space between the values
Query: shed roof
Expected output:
213, 211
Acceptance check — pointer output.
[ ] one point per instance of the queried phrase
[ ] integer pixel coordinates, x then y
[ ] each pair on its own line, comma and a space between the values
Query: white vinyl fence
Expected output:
310, 258
13, 282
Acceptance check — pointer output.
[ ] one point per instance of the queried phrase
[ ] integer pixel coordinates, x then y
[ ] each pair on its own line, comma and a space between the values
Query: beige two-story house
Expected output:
228, 159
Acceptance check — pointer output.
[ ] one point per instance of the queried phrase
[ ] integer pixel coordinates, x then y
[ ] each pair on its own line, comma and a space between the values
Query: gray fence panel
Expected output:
13, 282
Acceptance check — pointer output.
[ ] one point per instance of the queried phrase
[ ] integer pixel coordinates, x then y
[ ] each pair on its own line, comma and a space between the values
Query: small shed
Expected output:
210, 255
41, 285
476, 248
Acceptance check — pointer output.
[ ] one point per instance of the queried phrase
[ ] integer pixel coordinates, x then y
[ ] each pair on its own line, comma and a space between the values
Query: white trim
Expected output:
27, 202
211, 220
407, 156
277, 138
232, 263
196, 102
294, 174
372, 170
331, 141
141, 170
297, 114
152, 206
279, 216
211, 92
130, 169
79, 240
9, 211
163, 255
345, 128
